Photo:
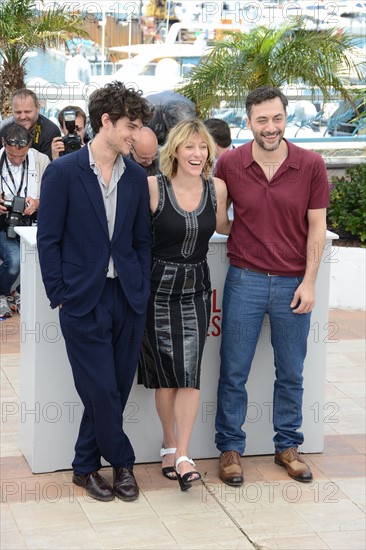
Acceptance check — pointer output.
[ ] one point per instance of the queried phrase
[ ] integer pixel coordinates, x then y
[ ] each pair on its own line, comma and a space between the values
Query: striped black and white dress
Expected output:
180, 302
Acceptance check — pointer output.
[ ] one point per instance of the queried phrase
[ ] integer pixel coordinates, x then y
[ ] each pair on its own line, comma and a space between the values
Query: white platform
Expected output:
51, 409
344, 292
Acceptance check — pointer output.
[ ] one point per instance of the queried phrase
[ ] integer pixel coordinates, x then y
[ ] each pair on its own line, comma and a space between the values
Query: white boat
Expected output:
353, 18
156, 67
163, 65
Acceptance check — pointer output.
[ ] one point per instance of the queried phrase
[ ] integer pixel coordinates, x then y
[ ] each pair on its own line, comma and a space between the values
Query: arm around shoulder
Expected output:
223, 224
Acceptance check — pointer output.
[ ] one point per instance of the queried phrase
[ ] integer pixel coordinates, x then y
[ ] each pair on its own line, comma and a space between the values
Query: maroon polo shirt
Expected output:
270, 226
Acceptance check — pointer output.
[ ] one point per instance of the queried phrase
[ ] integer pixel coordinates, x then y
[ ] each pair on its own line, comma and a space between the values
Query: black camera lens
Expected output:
72, 143
15, 217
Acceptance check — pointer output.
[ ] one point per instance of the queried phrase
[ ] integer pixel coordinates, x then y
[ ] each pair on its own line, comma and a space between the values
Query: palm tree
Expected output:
23, 28
285, 56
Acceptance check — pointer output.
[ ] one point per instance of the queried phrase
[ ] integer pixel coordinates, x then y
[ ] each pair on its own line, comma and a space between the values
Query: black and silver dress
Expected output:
180, 302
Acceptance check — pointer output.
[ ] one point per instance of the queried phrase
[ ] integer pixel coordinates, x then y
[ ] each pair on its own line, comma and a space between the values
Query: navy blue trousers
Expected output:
103, 348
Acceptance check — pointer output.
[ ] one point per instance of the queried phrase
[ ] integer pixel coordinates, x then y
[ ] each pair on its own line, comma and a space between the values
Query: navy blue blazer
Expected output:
72, 235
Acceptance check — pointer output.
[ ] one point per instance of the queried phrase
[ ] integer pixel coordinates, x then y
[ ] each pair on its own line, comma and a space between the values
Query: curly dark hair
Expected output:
117, 101
264, 93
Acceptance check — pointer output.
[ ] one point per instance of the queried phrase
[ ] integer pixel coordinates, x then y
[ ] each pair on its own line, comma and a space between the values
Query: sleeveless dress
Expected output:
180, 302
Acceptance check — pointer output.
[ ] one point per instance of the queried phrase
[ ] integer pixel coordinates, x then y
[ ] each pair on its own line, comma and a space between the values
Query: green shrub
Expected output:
347, 209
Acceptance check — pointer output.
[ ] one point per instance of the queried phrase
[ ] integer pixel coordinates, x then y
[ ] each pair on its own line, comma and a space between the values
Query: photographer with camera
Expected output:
21, 169
72, 120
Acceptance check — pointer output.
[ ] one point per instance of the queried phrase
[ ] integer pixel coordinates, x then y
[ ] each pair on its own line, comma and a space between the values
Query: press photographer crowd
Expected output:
29, 142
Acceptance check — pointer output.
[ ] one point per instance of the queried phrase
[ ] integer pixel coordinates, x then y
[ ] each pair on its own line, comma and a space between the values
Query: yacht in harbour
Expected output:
165, 63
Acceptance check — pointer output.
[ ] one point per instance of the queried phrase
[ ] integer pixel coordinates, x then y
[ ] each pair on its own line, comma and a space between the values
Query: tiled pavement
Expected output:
270, 511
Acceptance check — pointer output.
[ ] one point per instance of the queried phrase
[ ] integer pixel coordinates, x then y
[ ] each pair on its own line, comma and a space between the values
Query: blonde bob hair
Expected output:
181, 134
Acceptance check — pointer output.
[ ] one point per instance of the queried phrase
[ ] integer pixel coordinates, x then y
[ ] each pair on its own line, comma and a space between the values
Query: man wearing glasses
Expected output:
58, 143
21, 169
145, 151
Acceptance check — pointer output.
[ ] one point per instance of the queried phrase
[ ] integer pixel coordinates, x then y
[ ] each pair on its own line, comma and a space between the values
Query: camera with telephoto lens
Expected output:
71, 141
15, 208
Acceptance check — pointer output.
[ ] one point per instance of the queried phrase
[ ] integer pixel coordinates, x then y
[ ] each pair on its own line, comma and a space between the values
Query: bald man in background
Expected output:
145, 151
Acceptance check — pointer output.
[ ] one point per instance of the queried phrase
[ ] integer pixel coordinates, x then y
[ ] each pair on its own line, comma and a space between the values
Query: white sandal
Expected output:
184, 481
168, 471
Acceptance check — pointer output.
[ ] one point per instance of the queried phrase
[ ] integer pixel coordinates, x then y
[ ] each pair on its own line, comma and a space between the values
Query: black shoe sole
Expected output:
101, 499
232, 483
127, 499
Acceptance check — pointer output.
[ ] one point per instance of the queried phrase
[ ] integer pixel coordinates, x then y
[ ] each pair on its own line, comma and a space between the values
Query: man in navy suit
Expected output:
94, 244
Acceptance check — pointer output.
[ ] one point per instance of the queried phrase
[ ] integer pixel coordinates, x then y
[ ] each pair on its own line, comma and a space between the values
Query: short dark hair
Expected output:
24, 92
16, 131
176, 111
264, 93
219, 130
117, 101
78, 112
168, 114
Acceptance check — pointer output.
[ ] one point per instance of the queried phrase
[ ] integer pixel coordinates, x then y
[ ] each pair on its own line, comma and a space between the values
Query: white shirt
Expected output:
30, 184
109, 195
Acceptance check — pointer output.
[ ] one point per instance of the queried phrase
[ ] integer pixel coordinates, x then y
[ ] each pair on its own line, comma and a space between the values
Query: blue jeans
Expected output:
10, 268
248, 296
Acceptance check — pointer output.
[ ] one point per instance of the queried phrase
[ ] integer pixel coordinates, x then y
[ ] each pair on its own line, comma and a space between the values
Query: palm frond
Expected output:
23, 27
287, 55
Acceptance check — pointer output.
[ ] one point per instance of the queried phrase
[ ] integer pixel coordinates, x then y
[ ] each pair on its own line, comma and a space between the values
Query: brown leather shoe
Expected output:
230, 470
125, 485
294, 464
95, 485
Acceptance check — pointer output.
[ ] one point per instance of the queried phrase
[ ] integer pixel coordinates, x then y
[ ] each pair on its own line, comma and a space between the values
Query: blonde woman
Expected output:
187, 205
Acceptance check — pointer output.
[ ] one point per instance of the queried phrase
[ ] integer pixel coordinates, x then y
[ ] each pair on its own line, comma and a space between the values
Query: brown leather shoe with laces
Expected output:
294, 464
230, 470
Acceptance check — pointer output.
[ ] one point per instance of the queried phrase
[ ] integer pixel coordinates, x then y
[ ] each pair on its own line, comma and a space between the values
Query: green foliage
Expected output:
347, 209
22, 28
360, 102
286, 56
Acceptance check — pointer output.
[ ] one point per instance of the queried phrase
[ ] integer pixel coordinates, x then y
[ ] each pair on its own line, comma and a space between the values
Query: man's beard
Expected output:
268, 146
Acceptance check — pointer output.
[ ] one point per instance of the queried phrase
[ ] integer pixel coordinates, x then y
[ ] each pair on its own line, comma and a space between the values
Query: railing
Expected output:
110, 68
324, 119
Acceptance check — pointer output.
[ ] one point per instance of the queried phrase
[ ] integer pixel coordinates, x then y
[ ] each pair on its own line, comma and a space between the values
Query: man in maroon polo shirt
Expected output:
280, 193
